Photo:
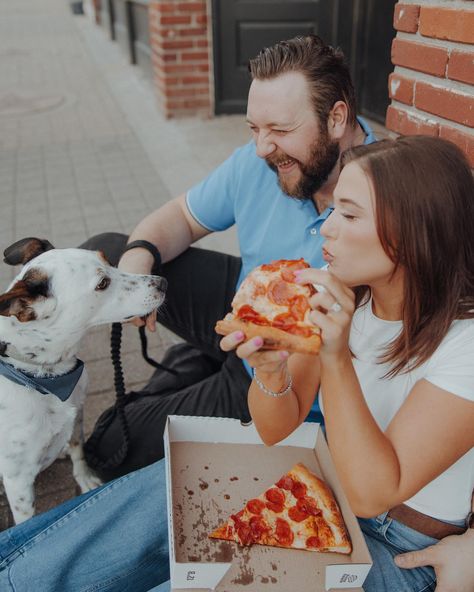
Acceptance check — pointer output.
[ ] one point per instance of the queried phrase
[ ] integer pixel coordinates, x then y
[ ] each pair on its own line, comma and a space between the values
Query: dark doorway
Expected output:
363, 28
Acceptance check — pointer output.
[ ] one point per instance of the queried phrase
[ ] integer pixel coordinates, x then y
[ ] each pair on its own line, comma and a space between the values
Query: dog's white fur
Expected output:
77, 290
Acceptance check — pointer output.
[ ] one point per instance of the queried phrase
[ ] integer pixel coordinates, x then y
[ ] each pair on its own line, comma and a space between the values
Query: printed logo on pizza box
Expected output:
348, 578
190, 576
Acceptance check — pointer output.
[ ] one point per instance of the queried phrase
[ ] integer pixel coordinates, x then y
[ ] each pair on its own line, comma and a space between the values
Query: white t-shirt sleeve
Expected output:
452, 365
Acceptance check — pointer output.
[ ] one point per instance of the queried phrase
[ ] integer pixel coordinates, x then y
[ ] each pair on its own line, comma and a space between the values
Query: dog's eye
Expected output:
103, 284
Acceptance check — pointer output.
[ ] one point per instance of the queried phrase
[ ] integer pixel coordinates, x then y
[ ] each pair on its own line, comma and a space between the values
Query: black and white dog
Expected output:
57, 296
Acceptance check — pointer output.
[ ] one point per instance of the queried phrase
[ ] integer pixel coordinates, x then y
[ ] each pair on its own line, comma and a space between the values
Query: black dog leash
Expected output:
92, 443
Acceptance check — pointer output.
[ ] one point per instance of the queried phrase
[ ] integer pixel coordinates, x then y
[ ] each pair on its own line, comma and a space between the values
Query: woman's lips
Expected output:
327, 256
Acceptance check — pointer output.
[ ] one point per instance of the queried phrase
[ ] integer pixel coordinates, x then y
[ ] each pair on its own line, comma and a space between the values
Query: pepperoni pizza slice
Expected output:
298, 512
271, 305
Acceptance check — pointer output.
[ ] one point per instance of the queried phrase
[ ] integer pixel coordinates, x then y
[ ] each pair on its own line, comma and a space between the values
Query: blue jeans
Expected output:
111, 539
386, 538
115, 539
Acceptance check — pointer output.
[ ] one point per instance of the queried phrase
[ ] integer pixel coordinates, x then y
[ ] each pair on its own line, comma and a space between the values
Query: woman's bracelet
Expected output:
267, 391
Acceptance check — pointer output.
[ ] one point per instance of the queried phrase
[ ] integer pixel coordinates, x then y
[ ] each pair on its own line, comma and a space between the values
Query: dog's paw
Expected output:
87, 480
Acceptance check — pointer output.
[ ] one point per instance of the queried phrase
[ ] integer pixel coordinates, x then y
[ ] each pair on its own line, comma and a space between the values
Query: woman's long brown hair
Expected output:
424, 208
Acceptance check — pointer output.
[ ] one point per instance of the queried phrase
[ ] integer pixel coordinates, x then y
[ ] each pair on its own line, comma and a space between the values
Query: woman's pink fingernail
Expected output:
239, 336
284, 355
258, 341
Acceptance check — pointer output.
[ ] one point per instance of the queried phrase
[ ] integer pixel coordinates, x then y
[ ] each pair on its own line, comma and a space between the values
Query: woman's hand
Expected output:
333, 308
264, 361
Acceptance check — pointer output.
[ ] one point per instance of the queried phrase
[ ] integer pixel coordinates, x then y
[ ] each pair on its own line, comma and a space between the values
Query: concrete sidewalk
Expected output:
83, 149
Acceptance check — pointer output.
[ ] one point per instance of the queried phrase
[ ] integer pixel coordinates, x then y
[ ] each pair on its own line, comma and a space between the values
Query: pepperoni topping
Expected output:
242, 529
299, 489
298, 306
287, 273
276, 500
313, 542
280, 292
285, 263
255, 506
247, 313
308, 505
283, 532
297, 515
286, 482
258, 527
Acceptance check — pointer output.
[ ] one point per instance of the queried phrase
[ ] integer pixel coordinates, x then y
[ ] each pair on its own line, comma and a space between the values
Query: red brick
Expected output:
194, 56
454, 24
450, 104
421, 57
165, 7
186, 92
192, 7
202, 43
175, 20
405, 17
401, 88
195, 80
408, 124
179, 68
194, 31
464, 141
177, 44
461, 66
201, 19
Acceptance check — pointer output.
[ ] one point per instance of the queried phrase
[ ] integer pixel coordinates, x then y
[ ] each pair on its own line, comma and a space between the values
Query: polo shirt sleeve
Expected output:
212, 201
451, 367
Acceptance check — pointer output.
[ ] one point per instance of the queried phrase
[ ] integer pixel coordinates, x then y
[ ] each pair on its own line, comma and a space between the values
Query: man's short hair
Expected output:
324, 67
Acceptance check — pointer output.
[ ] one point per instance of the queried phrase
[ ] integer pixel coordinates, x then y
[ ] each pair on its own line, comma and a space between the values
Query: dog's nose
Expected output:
161, 283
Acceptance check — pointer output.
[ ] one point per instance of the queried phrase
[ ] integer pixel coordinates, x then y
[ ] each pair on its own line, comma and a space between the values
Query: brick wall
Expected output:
181, 56
432, 86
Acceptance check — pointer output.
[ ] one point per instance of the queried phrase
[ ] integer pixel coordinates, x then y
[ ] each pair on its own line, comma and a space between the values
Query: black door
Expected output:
363, 28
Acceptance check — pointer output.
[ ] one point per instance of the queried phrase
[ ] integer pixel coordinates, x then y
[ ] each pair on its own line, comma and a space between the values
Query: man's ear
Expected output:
14, 303
25, 249
337, 120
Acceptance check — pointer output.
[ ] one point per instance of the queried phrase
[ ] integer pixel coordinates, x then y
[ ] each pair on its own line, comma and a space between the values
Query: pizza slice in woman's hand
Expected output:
271, 305
298, 512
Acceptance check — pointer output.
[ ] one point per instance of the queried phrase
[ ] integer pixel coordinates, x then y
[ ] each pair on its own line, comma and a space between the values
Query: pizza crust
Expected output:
274, 339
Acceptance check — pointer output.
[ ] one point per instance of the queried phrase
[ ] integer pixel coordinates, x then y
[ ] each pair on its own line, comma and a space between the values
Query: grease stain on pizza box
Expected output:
214, 466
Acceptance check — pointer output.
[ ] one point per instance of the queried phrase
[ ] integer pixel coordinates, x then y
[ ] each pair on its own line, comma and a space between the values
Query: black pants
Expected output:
209, 382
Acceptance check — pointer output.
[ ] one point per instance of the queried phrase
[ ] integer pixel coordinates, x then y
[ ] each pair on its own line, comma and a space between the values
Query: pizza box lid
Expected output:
213, 467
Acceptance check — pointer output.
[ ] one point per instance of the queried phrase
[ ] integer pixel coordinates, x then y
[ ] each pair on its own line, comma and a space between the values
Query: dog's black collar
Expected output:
60, 386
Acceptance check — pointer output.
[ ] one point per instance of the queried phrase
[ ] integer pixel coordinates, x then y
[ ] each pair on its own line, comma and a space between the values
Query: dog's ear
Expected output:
14, 303
25, 249
23, 294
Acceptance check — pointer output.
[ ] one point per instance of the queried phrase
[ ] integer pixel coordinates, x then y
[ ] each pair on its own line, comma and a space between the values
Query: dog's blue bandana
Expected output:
60, 386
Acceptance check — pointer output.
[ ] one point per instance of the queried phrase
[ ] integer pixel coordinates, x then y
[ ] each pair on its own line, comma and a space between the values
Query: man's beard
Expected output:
323, 158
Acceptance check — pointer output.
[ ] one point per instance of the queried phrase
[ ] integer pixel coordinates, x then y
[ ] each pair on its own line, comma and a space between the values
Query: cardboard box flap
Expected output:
198, 575
231, 431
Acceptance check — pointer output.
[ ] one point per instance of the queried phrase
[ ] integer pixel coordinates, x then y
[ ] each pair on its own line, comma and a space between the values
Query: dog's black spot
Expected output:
30, 355
51, 412
21, 499
3, 347
37, 282
42, 349
133, 283
47, 339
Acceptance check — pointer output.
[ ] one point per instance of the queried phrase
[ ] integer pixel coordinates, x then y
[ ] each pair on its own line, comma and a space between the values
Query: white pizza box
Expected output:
213, 467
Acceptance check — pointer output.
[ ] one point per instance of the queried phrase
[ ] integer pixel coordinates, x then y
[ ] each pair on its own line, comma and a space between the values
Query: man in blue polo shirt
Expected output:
277, 190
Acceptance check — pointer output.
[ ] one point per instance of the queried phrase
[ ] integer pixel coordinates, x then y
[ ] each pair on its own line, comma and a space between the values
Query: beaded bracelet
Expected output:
267, 391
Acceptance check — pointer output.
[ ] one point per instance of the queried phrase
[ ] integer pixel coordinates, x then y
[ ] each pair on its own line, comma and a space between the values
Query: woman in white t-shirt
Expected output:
396, 366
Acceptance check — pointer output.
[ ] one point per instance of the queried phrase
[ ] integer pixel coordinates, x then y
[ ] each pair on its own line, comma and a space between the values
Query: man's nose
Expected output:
265, 146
